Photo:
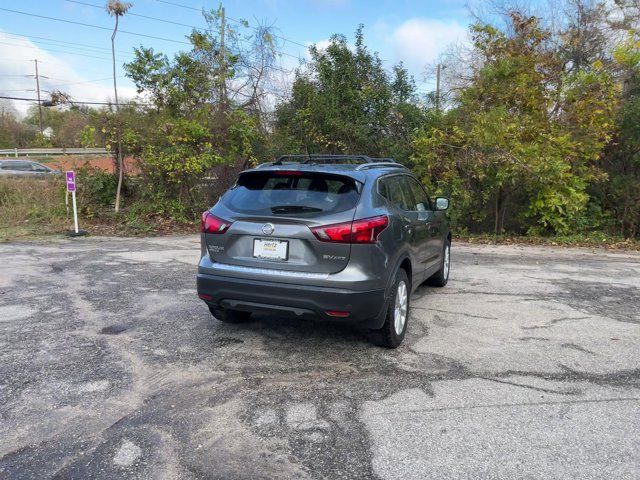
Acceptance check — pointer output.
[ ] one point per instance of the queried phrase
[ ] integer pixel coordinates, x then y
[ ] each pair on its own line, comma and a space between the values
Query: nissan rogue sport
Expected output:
332, 237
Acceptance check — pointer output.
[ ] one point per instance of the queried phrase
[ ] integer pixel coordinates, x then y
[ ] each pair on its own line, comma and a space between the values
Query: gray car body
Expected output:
26, 168
413, 240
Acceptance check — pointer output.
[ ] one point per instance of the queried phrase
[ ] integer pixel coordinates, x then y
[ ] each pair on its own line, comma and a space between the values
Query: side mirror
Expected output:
442, 203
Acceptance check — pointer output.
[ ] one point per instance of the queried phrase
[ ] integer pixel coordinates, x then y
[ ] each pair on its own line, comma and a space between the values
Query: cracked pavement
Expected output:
527, 365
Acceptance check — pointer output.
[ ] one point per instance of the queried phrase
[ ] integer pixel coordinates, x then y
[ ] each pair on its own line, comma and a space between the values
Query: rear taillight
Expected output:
212, 224
365, 230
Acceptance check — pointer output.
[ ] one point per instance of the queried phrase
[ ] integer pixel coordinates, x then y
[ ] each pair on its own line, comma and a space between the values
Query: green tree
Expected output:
523, 142
204, 112
346, 102
620, 195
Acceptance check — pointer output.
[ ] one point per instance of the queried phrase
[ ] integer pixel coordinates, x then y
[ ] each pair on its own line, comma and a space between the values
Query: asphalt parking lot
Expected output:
527, 365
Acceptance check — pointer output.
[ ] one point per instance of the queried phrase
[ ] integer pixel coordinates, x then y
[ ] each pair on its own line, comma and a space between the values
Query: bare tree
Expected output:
117, 8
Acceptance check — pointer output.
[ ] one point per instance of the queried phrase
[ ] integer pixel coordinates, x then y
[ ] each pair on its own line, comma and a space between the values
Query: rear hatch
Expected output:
267, 219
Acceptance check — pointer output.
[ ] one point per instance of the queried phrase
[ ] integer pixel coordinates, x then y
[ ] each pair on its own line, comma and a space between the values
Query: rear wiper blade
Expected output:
294, 209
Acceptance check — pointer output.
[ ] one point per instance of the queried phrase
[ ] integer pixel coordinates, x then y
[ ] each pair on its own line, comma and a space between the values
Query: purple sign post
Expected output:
71, 181
71, 187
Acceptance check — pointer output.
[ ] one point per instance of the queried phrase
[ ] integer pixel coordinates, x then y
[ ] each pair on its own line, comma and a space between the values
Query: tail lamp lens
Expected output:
365, 230
212, 224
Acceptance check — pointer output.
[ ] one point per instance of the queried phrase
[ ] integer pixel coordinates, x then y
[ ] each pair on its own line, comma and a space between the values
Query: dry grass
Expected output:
588, 240
31, 207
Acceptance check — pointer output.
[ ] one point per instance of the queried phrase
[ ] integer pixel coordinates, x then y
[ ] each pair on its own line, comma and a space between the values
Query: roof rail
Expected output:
367, 166
265, 164
327, 159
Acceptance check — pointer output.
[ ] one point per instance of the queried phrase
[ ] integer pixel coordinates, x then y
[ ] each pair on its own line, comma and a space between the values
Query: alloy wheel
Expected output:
400, 309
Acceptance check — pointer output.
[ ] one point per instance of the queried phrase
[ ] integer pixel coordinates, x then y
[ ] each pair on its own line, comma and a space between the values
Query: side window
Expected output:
394, 190
382, 188
422, 202
20, 166
36, 167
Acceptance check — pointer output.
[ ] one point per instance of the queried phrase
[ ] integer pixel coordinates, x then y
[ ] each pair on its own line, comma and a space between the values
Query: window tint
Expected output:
396, 191
271, 193
421, 199
21, 166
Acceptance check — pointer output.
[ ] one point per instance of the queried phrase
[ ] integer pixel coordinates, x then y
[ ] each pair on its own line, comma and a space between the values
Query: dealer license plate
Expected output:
270, 249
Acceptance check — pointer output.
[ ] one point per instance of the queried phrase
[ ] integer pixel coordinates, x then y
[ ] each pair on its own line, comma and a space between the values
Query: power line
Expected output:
14, 59
134, 14
52, 50
74, 44
47, 48
83, 82
188, 7
180, 5
92, 26
35, 100
140, 34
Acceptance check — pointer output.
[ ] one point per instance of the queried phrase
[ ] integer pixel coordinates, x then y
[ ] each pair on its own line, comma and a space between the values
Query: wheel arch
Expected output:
403, 262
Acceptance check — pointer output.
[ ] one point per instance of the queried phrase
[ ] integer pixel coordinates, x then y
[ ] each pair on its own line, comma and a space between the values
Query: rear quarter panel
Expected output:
384, 258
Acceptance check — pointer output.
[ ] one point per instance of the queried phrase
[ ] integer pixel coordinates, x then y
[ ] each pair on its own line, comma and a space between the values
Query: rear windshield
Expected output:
291, 193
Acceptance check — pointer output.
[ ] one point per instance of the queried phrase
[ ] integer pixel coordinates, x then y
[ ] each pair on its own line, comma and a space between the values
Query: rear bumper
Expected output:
301, 301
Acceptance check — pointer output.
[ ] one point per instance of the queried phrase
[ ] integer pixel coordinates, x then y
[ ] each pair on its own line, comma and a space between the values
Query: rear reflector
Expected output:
365, 230
204, 296
337, 313
212, 224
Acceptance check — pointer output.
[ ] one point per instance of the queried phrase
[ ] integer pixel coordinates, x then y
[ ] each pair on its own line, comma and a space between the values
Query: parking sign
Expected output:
71, 181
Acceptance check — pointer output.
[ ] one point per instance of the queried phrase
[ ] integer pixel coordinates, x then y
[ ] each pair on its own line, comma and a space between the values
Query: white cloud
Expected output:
322, 45
419, 41
17, 70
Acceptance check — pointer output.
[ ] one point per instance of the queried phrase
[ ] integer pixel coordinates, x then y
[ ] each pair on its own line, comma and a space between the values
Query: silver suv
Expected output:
333, 237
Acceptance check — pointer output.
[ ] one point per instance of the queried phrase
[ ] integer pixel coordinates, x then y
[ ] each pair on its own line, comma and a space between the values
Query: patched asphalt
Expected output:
527, 365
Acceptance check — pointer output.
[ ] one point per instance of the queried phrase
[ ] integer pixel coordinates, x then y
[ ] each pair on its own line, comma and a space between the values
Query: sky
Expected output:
77, 59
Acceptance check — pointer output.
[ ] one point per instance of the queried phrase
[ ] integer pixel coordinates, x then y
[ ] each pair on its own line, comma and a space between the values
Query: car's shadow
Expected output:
287, 329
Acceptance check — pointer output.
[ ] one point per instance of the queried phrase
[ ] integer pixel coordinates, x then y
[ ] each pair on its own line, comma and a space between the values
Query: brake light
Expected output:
289, 173
365, 230
212, 224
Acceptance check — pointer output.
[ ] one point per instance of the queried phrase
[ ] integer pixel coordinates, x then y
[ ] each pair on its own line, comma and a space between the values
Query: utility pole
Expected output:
39, 102
438, 69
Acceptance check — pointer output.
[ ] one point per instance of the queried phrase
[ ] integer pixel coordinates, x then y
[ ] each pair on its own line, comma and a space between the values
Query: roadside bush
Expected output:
96, 187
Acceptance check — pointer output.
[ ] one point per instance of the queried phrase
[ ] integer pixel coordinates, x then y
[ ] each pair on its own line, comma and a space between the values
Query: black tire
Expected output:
390, 337
229, 316
441, 277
